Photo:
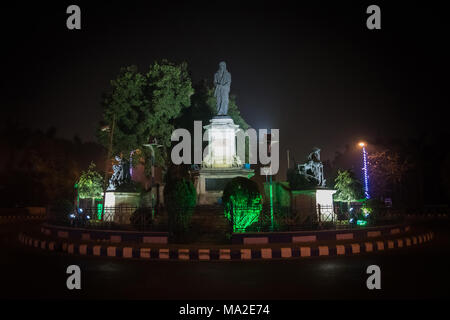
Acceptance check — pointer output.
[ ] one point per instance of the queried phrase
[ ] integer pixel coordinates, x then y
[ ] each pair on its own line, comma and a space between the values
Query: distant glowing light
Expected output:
72, 216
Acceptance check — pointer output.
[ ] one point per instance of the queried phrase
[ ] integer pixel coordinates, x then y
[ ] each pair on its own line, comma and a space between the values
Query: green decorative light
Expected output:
361, 222
99, 211
244, 214
271, 204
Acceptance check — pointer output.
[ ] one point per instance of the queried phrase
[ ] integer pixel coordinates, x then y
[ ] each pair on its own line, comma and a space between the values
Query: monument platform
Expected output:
212, 181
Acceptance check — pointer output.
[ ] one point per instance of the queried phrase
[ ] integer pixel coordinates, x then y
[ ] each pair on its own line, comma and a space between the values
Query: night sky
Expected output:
312, 70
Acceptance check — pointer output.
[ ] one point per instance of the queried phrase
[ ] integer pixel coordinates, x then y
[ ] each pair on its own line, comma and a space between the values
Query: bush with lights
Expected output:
242, 202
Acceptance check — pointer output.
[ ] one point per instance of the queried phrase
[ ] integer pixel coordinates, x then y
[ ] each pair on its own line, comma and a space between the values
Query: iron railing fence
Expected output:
260, 218
120, 218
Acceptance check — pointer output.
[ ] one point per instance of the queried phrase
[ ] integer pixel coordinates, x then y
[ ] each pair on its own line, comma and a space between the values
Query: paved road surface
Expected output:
421, 272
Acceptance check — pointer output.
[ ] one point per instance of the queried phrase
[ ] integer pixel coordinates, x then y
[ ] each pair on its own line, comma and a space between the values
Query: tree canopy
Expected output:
141, 107
90, 184
348, 188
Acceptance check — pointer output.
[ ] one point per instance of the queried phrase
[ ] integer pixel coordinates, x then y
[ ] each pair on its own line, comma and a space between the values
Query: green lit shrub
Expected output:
180, 199
90, 184
242, 202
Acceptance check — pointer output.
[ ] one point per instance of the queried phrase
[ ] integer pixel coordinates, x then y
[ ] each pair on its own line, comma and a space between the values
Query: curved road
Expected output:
420, 272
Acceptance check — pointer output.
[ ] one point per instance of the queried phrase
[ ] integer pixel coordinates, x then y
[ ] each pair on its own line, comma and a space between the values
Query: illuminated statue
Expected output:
222, 83
313, 168
121, 174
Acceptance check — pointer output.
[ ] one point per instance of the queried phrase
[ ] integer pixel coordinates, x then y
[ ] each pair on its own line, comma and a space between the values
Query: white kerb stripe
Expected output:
127, 252
246, 254
286, 252
111, 251
340, 249
355, 248
164, 253
224, 254
266, 253
183, 254
323, 251
305, 251
145, 253
96, 250
203, 254
83, 249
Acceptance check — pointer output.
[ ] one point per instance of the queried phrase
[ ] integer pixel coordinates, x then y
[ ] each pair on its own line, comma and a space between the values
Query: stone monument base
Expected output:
212, 181
119, 206
319, 199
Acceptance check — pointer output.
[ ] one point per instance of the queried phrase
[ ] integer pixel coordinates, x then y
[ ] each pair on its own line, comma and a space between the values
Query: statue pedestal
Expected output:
220, 164
119, 206
221, 142
212, 181
318, 202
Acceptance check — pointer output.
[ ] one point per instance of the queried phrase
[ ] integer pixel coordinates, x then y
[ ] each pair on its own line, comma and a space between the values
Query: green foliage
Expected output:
180, 199
126, 112
387, 171
348, 188
373, 207
169, 91
90, 184
142, 107
300, 182
242, 202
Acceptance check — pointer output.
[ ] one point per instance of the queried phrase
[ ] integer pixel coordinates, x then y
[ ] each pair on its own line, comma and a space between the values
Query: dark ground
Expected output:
420, 272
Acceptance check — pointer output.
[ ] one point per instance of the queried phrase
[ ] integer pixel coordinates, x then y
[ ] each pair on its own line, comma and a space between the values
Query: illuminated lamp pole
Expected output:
366, 175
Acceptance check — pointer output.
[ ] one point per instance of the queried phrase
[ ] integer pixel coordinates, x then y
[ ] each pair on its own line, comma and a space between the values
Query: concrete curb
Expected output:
114, 236
225, 254
21, 218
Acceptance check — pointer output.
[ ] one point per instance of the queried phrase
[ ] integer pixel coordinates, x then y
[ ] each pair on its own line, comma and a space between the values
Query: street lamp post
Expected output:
366, 175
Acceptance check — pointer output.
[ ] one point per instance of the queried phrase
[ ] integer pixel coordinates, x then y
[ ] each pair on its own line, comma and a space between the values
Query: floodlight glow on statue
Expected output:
222, 82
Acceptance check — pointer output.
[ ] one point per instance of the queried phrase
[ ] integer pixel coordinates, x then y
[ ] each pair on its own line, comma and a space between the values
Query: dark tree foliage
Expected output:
141, 108
180, 198
37, 168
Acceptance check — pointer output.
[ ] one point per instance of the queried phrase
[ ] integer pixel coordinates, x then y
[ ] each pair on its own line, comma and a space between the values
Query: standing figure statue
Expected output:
222, 82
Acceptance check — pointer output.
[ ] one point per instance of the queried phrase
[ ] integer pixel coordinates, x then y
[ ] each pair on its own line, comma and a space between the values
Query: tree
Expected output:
90, 184
180, 199
142, 107
127, 109
348, 188
387, 172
